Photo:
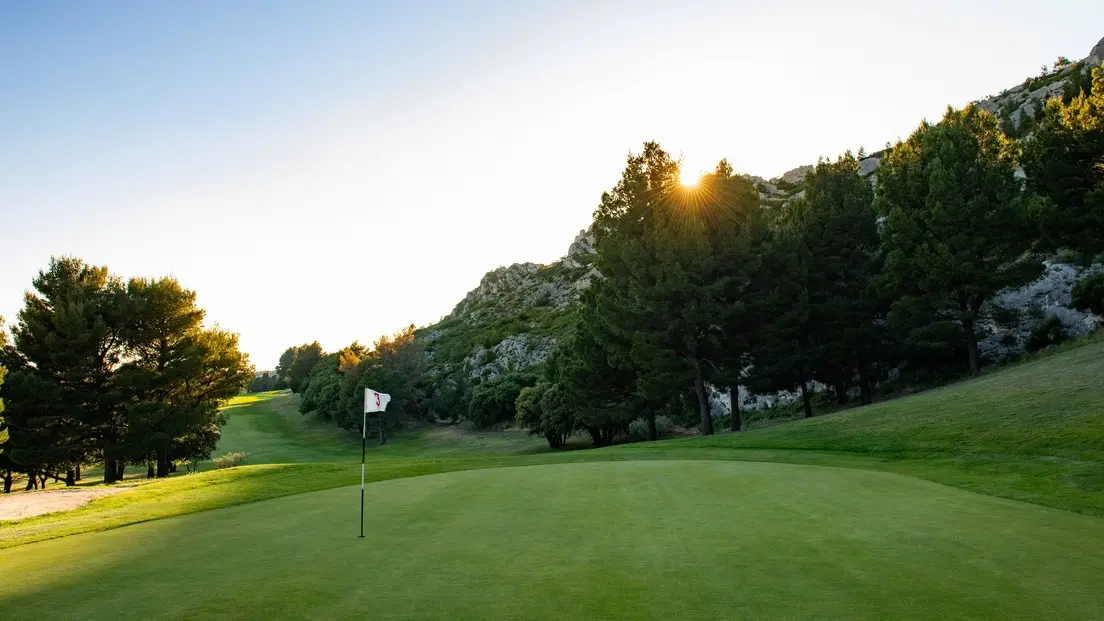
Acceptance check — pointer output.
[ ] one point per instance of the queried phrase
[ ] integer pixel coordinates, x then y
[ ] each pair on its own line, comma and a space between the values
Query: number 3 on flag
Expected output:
375, 401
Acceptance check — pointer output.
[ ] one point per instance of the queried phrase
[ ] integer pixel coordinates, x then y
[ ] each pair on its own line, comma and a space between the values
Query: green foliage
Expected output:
1047, 334
322, 391
302, 364
958, 226
1005, 317
816, 298
670, 258
229, 460
494, 401
7, 467
1088, 294
542, 410
639, 431
1065, 163
396, 365
117, 373
265, 382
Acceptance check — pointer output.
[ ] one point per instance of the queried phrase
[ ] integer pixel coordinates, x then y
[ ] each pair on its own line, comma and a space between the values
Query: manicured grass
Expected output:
631, 540
1033, 432
270, 429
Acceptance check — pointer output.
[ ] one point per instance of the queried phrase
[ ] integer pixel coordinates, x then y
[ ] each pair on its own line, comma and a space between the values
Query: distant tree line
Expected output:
111, 372
332, 384
264, 382
856, 279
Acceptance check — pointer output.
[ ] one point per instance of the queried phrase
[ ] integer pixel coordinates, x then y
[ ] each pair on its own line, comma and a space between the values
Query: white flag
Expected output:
375, 401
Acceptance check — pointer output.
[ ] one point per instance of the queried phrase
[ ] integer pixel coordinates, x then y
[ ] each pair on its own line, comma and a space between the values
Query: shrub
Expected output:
1005, 317
1088, 294
638, 429
229, 460
1047, 334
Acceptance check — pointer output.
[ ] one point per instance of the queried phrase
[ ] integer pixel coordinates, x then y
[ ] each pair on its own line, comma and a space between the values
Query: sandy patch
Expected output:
30, 504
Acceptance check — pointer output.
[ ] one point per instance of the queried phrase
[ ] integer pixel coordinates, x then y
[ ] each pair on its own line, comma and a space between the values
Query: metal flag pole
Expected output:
363, 448
376, 403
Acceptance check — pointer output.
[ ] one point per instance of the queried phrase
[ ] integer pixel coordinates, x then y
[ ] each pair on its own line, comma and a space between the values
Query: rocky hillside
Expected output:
512, 319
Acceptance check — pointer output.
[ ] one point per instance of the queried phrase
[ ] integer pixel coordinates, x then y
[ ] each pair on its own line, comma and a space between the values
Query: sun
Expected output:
689, 179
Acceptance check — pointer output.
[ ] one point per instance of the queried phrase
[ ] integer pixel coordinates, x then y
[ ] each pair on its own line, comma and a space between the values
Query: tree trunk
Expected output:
32, 481
149, 469
78, 472
7, 481
703, 401
607, 436
972, 346
841, 391
653, 435
163, 460
594, 436
70, 477
864, 384
805, 399
734, 407
172, 467
109, 470
120, 467
45, 475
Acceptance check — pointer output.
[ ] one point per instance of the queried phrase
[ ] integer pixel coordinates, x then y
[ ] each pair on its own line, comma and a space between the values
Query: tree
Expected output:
600, 394
1064, 161
112, 373
664, 252
495, 401
542, 410
63, 403
782, 345
323, 390
958, 226
7, 467
263, 383
298, 374
836, 226
1088, 294
177, 374
287, 360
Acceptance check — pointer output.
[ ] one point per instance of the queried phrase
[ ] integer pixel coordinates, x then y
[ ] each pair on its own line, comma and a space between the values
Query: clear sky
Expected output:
336, 170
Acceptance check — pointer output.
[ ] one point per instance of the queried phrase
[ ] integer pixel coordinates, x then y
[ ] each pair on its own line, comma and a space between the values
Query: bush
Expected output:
1047, 334
1005, 317
638, 429
494, 401
229, 460
1088, 294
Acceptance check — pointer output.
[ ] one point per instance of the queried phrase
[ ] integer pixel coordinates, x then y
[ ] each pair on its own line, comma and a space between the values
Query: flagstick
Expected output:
363, 448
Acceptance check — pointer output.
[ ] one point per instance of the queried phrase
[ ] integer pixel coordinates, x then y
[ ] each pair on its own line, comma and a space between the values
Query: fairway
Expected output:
626, 540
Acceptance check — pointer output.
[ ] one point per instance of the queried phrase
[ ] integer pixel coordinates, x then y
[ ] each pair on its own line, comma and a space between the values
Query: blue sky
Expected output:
336, 170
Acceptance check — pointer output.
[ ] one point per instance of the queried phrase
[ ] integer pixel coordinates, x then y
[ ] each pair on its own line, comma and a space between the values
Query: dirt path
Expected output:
29, 504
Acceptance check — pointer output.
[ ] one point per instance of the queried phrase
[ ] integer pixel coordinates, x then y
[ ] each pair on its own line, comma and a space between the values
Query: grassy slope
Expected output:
1033, 432
632, 540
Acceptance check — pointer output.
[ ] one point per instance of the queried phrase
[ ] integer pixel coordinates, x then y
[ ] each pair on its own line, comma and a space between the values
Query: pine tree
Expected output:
63, 404
665, 255
958, 226
168, 353
836, 225
7, 467
1064, 161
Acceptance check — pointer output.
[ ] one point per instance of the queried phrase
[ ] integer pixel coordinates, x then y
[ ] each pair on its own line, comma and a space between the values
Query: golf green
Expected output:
623, 540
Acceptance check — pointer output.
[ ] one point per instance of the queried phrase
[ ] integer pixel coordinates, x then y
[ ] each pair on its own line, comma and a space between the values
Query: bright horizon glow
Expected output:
688, 178
339, 170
